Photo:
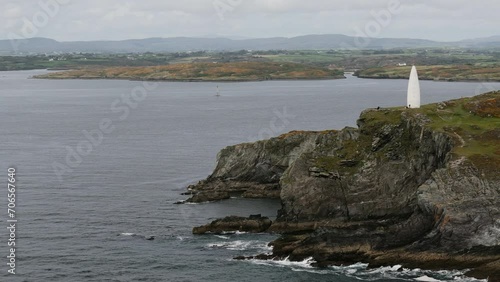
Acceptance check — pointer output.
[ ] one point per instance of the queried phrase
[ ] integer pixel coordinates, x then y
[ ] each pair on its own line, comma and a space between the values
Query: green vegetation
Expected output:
347, 158
235, 71
437, 72
473, 123
74, 61
433, 63
352, 60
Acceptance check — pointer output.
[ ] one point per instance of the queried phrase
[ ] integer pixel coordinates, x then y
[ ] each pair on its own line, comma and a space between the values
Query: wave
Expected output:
240, 245
127, 234
234, 232
360, 271
295, 265
426, 278
146, 237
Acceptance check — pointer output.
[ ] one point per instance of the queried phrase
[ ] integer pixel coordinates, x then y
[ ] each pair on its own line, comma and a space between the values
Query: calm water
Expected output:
91, 224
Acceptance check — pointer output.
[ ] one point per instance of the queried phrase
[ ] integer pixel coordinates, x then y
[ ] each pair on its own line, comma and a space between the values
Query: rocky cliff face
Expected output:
418, 187
364, 174
253, 170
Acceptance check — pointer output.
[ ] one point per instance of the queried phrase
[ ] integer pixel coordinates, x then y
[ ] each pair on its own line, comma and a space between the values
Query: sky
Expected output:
75, 20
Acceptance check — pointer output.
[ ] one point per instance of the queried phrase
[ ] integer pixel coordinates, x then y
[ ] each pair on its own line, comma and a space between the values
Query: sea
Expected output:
99, 165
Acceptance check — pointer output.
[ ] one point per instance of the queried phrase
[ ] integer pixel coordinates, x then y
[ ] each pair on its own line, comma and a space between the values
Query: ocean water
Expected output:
90, 220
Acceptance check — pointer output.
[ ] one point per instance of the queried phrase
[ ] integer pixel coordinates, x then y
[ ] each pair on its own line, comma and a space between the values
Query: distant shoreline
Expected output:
204, 72
261, 80
448, 73
185, 80
427, 79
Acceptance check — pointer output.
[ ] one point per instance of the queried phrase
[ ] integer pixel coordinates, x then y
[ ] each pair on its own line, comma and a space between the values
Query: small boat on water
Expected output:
218, 92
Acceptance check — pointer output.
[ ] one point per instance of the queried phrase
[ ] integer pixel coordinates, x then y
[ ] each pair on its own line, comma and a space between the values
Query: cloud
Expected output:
121, 19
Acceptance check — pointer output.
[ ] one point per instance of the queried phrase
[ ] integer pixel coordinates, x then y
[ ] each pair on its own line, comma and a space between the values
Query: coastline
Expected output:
427, 78
260, 80
187, 80
398, 189
203, 72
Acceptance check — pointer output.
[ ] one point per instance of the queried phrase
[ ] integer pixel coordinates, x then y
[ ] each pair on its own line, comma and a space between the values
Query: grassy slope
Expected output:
236, 71
474, 123
437, 72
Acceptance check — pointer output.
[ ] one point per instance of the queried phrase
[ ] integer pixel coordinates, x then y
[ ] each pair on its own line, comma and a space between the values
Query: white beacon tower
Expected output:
413, 90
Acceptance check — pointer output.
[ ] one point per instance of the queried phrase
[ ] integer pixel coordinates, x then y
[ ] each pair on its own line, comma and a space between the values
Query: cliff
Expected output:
417, 187
253, 170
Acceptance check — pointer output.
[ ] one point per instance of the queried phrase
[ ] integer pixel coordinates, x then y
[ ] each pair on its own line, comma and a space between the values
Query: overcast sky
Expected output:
444, 20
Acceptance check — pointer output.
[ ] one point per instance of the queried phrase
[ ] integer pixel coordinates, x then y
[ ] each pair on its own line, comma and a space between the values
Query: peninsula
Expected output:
414, 187
213, 71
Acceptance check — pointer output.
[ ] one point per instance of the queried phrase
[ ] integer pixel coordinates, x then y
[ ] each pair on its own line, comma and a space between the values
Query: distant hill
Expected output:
181, 44
492, 41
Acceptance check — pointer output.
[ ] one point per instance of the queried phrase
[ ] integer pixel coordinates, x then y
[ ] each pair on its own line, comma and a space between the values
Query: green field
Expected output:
433, 63
473, 123
436, 72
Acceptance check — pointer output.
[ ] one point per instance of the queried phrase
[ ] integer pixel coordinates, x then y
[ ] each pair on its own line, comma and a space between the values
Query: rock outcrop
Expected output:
253, 170
417, 187
252, 224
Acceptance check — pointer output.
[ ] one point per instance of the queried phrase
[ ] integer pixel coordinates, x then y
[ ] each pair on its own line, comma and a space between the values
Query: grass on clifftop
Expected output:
235, 71
474, 124
436, 72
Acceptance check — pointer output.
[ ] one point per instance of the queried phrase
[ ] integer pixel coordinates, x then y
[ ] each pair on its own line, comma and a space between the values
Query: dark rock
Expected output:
349, 163
395, 191
235, 223
209, 196
253, 170
255, 216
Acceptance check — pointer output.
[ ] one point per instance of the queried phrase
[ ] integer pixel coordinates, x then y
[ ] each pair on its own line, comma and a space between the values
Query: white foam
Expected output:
233, 233
426, 278
222, 237
127, 234
240, 245
384, 269
286, 263
360, 271
356, 266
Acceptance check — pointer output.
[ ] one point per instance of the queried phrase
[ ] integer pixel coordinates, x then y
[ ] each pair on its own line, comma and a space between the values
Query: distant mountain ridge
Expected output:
182, 44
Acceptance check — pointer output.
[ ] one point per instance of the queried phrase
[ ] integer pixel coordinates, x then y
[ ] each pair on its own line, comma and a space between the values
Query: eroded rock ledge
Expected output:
252, 224
417, 187
253, 170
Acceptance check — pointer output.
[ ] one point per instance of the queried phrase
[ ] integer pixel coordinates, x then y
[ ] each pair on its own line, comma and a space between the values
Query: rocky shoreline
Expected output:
252, 224
415, 187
